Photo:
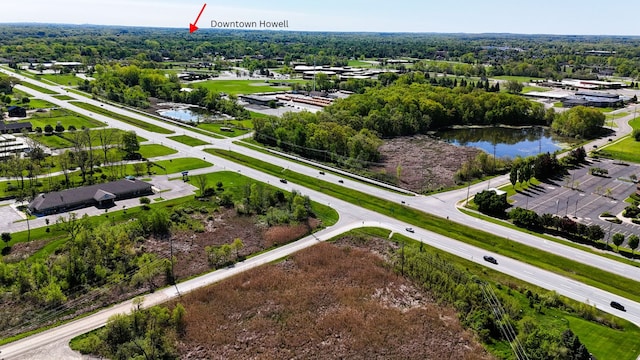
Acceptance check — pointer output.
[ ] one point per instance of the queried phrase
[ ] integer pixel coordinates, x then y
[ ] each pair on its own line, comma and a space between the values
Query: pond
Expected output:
507, 141
186, 114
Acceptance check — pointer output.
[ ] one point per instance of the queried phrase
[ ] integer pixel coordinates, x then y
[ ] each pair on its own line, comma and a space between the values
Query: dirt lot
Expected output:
222, 228
427, 163
327, 302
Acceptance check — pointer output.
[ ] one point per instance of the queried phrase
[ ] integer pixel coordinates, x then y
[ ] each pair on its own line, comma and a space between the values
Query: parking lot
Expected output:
584, 197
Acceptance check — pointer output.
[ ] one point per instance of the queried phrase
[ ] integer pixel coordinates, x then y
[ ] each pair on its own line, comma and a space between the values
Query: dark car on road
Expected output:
490, 259
410, 230
284, 181
617, 305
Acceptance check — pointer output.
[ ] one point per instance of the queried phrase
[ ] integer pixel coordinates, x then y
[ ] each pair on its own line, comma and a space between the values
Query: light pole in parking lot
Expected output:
557, 207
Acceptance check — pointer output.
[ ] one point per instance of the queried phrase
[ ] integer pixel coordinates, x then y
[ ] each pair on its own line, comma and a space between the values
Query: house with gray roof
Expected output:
99, 195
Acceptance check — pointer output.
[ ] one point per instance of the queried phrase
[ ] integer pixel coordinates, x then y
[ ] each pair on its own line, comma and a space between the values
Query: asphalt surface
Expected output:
584, 197
443, 205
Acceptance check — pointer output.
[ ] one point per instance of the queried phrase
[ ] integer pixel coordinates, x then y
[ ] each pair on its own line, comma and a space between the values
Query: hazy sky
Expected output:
469, 16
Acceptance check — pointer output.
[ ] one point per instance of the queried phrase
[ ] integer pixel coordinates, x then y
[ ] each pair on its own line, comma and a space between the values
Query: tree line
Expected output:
550, 56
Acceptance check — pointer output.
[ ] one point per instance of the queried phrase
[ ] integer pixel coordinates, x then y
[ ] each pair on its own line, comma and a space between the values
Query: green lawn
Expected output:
551, 262
528, 89
38, 88
63, 79
235, 87
360, 64
627, 149
63, 97
521, 79
33, 104
65, 117
188, 140
215, 128
256, 115
64, 140
126, 119
174, 166
155, 150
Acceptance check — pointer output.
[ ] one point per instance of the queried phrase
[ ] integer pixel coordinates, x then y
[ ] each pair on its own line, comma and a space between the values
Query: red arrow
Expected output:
193, 27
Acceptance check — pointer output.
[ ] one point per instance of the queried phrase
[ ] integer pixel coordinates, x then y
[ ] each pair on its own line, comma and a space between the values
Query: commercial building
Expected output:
584, 98
99, 195
14, 127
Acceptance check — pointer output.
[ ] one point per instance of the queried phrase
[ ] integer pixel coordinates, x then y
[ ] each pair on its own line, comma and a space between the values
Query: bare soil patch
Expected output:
222, 227
427, 164
331, 301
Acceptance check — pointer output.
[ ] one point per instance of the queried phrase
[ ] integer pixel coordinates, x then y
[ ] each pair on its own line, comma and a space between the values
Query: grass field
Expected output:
64, 140
63, 79
235, 87
521, 79
63, 97
528, 89
188, 140
360, 64
627, 149
65, 117
38, 88
126, 119
33, 104
551, 262
215, 128
155, 150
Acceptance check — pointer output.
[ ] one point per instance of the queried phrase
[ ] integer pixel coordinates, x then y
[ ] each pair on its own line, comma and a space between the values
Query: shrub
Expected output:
71, 128
48, 129
145, 200
38, 130
491, 203
59, 128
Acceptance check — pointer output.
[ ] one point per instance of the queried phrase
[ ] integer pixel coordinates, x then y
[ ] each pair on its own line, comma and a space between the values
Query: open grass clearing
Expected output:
126, 119
63, 79
65, 118
589, 275
63, 97
187, 140
154, 150
32, 104
235, 87
38, 88
65, 139
521, 79
528, 89
217, 128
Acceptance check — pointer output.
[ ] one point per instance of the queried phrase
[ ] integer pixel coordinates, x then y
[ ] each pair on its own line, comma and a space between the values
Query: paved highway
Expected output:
351, 215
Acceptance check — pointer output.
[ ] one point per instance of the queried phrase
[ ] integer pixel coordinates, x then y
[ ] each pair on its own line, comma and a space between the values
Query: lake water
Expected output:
186, 114
507, 142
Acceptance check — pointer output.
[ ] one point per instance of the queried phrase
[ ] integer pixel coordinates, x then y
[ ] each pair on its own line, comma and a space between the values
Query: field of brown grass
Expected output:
332, 301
